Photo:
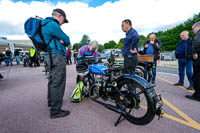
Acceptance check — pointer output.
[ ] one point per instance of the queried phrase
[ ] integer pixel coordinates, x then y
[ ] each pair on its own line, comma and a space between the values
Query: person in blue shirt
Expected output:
130, 47
152, 47
184, 55
53, 33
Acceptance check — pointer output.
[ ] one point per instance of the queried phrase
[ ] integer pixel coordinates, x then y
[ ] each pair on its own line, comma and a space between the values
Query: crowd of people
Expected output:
33, 57
187, 53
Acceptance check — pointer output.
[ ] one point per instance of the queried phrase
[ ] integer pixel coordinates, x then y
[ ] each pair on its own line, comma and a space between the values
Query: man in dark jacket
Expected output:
196, 63
8, 57
130, 47
53, 33
184, 55
152, 47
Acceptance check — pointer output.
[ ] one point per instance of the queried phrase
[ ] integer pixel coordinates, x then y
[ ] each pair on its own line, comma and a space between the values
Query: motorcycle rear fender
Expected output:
139, 80
157, 99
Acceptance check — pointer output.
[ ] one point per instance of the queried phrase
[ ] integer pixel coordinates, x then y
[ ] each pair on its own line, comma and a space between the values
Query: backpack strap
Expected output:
52, 37
55, 44
41, 32
50, 55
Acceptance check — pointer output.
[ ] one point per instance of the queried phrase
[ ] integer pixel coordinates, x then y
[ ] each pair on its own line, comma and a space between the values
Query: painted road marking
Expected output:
169, 73
167, 81
188, 121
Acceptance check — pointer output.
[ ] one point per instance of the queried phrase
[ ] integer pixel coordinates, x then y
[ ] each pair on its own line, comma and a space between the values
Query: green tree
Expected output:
110, 45
171, 36
101, 48
143, 39
77, 46
85, 40
120, 44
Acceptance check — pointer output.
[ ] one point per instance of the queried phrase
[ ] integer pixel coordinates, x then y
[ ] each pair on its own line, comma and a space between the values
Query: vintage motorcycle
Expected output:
129, 95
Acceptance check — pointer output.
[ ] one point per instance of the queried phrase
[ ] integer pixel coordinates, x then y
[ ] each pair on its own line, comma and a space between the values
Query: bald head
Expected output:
184, 35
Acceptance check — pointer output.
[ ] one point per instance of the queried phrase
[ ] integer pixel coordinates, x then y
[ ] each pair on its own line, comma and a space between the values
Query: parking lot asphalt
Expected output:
23, 107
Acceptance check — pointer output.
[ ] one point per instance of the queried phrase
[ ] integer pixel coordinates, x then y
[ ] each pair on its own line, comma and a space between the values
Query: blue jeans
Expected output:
153, 72
182, 64
8, 60
17, 60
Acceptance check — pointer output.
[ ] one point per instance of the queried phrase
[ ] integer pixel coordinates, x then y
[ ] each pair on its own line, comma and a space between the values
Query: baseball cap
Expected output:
62, 13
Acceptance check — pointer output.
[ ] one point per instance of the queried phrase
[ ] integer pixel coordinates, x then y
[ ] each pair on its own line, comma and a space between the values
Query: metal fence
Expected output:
173, 64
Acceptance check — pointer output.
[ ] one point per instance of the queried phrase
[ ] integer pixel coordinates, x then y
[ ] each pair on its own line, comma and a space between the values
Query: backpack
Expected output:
78, 93
33, 28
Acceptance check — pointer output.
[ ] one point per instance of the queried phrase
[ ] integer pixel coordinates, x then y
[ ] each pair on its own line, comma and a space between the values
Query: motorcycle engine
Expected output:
98, 80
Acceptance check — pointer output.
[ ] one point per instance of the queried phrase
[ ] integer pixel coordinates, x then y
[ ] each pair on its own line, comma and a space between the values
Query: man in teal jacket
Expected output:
57, 40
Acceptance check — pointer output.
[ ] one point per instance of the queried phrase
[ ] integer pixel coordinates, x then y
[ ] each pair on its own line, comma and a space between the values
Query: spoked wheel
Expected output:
94, 92
138, 105
139, 70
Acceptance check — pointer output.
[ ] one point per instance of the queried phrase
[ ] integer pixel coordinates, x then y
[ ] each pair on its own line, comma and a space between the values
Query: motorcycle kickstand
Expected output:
119, 120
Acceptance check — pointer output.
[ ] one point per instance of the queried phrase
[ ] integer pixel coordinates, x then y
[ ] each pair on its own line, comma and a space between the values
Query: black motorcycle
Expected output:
129, 95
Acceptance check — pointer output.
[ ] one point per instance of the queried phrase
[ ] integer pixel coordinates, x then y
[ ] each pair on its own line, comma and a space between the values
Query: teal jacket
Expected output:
52, 29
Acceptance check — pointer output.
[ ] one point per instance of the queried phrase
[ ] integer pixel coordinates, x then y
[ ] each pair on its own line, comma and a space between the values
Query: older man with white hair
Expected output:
152, 47
184, 55
89, 50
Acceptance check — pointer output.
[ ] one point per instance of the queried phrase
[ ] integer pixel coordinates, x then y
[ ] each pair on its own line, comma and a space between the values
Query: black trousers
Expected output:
196, 78
33, 61
68, 60
130, 62
56, 82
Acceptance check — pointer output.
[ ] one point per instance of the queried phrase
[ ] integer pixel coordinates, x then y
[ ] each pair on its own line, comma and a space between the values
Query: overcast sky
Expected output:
100, 19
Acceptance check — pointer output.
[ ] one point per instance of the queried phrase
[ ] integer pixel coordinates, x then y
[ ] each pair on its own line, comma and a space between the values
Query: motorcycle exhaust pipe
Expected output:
115, 109
111, 107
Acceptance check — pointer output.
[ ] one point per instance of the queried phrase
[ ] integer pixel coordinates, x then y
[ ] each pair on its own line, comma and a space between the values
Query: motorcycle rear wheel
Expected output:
140, 110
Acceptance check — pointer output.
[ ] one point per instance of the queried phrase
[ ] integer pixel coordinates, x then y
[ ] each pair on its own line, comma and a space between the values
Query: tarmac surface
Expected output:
23, 107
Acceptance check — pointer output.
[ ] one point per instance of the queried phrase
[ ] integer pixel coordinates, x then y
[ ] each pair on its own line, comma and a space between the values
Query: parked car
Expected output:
104, 55
117, 53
